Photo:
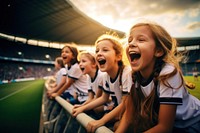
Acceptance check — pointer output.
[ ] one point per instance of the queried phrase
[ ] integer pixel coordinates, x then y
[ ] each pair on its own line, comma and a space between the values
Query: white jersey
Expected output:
71, 89
80, 83
113, 87
188, 106
96, 83
60, 73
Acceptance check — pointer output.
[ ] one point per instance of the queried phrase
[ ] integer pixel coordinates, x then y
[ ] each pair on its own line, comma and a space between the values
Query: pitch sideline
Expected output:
16, 92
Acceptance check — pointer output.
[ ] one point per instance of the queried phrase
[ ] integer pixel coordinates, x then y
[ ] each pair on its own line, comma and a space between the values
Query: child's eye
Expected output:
130, 39
105, 50
141, 39
96, 51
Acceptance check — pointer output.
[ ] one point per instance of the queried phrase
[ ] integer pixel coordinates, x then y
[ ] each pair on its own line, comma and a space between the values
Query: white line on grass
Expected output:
15, 92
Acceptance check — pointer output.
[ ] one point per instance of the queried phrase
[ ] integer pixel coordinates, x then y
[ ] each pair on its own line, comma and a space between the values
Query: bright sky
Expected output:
181, 18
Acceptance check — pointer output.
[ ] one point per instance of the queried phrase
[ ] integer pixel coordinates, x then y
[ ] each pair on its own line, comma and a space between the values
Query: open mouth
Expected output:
64, 58
102, 61
82, 69
134, 56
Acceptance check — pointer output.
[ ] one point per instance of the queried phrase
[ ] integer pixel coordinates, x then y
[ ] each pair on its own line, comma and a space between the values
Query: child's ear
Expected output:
159, 52
119, 57
94, 65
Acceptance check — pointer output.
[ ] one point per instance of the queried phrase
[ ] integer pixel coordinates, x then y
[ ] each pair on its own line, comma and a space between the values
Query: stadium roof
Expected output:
189, 41
55, 21
49, 20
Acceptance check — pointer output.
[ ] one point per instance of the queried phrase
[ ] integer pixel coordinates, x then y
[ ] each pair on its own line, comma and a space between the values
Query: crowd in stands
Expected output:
12, 49
193, 56
17, 70
11, 70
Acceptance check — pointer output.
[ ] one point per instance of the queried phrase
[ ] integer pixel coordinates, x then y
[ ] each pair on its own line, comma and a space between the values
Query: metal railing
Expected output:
81, 120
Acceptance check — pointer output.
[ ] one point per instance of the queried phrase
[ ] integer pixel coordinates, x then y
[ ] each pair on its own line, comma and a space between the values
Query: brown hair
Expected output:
59, 60
141, 109
73, 48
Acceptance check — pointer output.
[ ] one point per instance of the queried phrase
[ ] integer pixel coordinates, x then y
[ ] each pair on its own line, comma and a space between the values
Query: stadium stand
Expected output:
18, 60
20, 50
11, 70
193, 62
191, 48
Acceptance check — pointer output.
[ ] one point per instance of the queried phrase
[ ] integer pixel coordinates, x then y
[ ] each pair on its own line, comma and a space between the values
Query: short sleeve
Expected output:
75, 72
173, 94
126, 79
63, 72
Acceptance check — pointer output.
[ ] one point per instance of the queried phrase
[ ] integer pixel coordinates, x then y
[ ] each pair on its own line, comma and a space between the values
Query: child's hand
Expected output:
49, 92
93, 125
77, 106
53, 95
76, 111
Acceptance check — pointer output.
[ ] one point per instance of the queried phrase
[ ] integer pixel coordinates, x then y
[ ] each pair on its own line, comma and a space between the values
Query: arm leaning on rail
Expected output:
82, 117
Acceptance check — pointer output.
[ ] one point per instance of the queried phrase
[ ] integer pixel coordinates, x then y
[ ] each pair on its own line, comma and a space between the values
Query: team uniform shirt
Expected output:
80, 84
188, 106
96, 83
113, 87
61, 72
71, 89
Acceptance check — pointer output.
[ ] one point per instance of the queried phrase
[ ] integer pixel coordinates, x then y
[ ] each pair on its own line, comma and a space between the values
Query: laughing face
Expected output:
86, 65
106, 57
141, 50
67, 55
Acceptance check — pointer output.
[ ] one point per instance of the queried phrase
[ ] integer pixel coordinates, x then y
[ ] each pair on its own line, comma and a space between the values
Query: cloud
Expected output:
194, 12
180, 17
130, 8
191, 29
193, 26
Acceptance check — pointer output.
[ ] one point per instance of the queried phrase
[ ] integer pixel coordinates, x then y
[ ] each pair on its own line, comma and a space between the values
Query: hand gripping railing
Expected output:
82, 118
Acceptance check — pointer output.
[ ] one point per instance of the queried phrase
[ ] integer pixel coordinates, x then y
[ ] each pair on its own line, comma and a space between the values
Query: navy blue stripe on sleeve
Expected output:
171, 100
109, 92
73, 77
124, 92
100, 87
89, 90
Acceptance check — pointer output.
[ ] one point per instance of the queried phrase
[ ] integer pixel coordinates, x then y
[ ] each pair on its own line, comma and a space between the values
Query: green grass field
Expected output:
20, 106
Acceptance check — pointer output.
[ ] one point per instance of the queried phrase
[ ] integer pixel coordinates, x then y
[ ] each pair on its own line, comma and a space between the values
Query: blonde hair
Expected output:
116, 41
89, 55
